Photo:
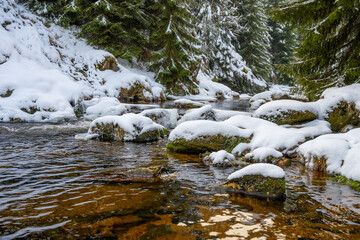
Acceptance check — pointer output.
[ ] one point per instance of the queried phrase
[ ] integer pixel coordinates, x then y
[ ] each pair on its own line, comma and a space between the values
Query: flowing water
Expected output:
48, 190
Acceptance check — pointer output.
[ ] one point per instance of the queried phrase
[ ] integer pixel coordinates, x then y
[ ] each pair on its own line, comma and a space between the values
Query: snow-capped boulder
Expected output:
204, 113
186, 104
334, 153
204, 135
287, 112
221, 159
264, 154
340, 106
128, 127
104, 106
166, 117
259, 180
259, 99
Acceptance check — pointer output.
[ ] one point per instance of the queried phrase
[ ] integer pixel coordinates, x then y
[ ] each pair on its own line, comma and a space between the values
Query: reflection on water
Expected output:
46, 192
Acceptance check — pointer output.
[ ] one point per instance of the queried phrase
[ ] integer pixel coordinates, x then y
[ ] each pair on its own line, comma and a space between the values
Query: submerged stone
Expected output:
138, 175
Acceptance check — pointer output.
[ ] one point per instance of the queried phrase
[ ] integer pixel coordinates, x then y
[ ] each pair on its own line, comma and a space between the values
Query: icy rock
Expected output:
186, 104
287, 112
166, 117
204, 135
221, 159
258, 180
128, 127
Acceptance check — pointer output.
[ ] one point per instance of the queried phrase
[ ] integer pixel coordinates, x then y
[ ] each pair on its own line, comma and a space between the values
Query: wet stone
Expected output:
258, 186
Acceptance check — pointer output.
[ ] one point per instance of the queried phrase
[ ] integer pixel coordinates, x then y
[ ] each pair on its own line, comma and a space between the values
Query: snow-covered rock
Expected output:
340, 106
221, 159
203, 135
287, 112
207, 112
204, 113
264, 154
186, 103
104, 106
166, 117
334, 153
259, 180
128, 127
258, 99
281, 138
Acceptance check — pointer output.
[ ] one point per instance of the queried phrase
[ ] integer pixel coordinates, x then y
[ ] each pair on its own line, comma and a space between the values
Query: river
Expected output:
48, 191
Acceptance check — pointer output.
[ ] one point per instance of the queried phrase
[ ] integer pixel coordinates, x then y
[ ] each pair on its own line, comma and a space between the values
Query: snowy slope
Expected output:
46, 72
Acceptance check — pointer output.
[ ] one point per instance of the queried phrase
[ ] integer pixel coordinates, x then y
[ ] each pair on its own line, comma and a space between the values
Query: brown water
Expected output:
47, 191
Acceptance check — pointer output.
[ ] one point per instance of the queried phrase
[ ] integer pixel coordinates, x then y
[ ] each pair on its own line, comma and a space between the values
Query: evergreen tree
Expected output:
254, 39
283, 43
117, 26
217, 31
329, 54
174, 46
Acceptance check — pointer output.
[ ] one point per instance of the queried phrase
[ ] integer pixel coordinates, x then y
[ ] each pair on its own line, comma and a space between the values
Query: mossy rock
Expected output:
111, 132
205, 144
344, 114
7, 93
290, 117
343, 180
109, 63
258, 186
135, 93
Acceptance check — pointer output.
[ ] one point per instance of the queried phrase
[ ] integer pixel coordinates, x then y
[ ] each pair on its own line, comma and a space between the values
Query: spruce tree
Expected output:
254, 39
283, 43
329, 53
219, 23
118, 26
174, 46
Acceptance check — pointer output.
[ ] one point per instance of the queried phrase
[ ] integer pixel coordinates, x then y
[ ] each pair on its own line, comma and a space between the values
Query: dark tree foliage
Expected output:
329, 53
174, 46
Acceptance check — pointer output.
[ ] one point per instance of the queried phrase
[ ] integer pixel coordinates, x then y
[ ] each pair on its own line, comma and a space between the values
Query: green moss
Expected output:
7, 93
343, 115
343, 180
206, 143
259, 186
291, 117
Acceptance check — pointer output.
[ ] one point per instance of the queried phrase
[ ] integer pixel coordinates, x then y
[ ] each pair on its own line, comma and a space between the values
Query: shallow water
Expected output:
48, 190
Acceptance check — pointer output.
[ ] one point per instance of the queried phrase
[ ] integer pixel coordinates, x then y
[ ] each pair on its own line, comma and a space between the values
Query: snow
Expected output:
166, 117
263, 169
221, 157
341, 151
281, 138
132, 124
279, 107
52, 71
207, 112
209, 88
195, 129
269, 95
104, 106
260, 154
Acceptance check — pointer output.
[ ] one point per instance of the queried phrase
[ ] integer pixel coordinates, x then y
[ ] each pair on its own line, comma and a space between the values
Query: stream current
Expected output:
46, 193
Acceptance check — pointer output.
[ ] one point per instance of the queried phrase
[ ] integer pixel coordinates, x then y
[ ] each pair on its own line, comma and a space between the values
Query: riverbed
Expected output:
48, 190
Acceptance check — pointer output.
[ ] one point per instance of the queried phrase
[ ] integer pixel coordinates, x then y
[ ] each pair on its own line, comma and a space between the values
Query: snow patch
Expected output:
263, 169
